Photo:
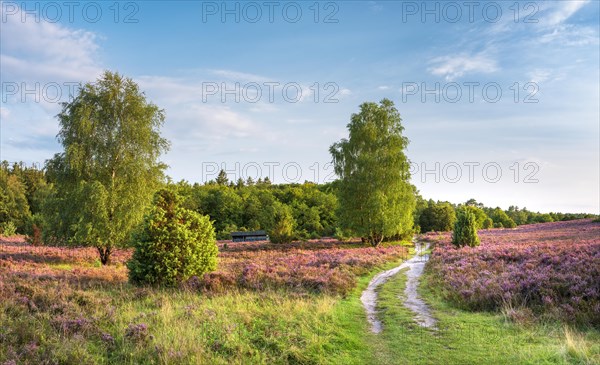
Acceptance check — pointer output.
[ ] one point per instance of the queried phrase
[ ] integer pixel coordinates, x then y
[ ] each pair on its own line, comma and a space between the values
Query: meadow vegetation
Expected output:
546, 270
265, 303
299, 303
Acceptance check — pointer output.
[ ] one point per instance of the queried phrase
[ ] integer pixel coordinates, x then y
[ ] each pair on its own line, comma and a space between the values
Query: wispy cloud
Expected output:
193, 117
539, 75
561, 11
40, 51
375, 7
452, 67
240, 76
569, 35
34, 55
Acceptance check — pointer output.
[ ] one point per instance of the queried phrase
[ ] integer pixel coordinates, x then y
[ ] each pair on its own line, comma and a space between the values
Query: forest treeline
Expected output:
308, 210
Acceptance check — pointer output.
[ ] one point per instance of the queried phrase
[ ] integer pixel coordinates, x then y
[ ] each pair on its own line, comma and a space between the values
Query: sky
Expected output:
500, 100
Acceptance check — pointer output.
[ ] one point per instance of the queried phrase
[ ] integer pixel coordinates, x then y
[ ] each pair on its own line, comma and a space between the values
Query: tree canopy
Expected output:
376, 199
109, 169
437, 217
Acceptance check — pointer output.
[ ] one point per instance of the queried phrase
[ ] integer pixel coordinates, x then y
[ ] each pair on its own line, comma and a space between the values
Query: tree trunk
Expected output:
375, 240
104, 255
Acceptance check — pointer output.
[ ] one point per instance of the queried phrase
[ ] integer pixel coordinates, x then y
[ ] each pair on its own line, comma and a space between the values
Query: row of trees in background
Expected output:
440, 216
309, 210
286, 212
23, 192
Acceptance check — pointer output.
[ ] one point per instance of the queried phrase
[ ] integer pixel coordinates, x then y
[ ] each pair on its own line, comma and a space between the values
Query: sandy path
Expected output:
411, 299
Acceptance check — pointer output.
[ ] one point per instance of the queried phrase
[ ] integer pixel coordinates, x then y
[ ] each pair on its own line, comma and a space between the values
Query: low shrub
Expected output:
465, 229
174, 244
8, 229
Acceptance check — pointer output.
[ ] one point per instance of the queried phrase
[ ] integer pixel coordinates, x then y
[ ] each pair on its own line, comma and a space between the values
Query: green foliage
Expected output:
465, 229
249, 208
222, 178
439, 217
34, 229
173, 244
519, 216
487, 223
500, 217
109, 169
543, 218
342, 235
283, 231
223, 205
479, 213
420, 205
14, 207
8, 229
375, 197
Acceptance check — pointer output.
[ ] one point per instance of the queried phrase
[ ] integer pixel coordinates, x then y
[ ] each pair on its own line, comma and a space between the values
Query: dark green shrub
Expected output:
439, 217
500, 216
283, 232
488, 223
480, 215
465, 229
173, 244
34, 229
342, 235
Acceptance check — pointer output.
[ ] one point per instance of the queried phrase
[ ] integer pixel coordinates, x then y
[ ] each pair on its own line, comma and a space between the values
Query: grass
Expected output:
175, 327
466, 337
57, 307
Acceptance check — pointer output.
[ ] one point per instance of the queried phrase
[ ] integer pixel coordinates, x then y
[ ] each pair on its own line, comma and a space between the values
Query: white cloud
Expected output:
539, 75
171, 89
383, 87
40, 51
569, 35
40, 58
189, 117
210, 121
345, 92
562, 11
240, 76
263, 107
455, 66
375, 7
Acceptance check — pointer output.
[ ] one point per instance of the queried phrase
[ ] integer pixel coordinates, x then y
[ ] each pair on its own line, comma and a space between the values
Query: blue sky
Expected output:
499, 99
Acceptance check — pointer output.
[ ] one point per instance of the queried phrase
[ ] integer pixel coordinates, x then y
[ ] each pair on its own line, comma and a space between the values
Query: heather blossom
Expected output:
551, 268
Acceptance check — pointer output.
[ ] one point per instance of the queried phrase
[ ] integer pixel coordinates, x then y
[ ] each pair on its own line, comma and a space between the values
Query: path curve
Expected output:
411, 299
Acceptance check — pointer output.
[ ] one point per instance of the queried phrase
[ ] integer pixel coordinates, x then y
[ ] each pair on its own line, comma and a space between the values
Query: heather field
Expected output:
525, 296
265, 303
548, 270
319, 266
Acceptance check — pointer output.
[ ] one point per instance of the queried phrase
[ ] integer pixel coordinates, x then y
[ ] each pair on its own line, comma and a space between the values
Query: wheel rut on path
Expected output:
411, 299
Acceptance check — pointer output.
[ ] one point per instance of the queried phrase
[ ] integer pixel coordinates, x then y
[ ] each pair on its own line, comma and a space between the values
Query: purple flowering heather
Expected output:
551, 268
